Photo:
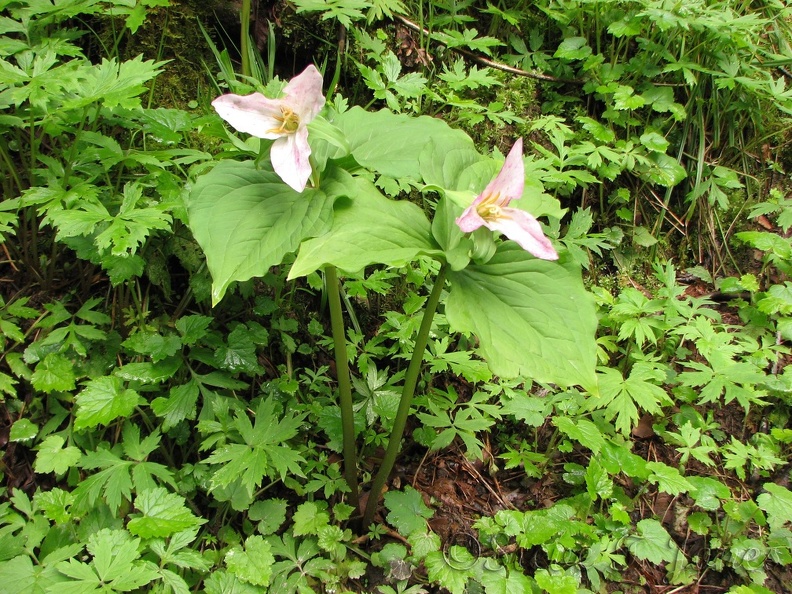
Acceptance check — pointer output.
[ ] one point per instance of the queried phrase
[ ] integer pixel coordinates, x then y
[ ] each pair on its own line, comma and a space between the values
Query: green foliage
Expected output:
157, 446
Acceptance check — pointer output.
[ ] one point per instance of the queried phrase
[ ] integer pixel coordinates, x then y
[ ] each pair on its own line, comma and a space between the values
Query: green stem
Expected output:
344, 385
244, 40
408, 391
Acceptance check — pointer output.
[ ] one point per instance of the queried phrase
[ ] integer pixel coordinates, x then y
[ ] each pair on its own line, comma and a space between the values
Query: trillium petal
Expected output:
470, 220
510, 181
524, 229
289, 157
253, 114
304, 94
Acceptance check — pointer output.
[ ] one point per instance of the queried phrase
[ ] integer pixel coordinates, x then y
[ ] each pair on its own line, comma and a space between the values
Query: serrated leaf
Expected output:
664, 170
253, 563
708, 492
53, 457
262, 453
20, 575
652, 543
102, 401
309, 518
583, 431
452, 576
777, 502
193, 328
407, 511
163, 514
23, 430
529, 409
115, 565
55, 373
222, 582
153, 344
179, 405
149, 373
270, 515
668, 479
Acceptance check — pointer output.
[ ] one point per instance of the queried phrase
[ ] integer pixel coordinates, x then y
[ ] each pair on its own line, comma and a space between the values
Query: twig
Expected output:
491, 63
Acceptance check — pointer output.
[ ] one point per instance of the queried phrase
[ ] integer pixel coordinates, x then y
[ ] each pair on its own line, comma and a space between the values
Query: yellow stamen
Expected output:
488, 209
289, 121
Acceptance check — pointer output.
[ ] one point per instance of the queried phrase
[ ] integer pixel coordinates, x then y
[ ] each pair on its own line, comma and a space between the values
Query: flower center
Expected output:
289, 121
488, 209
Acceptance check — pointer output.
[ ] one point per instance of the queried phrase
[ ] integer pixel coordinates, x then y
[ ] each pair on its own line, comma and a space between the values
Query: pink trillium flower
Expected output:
491, 209
283, 120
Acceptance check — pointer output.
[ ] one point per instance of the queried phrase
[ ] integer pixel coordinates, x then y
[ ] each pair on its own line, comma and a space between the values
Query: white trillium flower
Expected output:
491, 209
283, 120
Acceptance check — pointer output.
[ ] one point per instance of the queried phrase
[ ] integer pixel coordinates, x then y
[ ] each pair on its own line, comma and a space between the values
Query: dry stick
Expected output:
486, 61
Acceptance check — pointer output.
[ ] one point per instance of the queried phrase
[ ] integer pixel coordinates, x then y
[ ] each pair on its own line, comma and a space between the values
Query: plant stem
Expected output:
344, 385
408, 391
244, 40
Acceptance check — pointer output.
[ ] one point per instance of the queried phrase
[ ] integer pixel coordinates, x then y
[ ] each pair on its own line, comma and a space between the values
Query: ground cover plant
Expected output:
402, 296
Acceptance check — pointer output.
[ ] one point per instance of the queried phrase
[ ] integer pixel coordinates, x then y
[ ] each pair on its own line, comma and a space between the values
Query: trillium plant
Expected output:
500, 278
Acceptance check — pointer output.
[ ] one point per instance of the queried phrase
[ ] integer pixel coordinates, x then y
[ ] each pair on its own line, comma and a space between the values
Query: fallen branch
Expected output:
487, 62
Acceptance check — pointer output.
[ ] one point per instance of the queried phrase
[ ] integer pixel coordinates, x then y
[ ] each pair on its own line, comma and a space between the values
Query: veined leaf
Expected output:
653, 543
367, 229
533, 318
102, 401
246, 220
162, 514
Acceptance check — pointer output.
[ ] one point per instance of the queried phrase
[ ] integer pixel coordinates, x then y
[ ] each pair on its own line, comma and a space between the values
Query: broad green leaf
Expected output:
55, 373
53, 457
777, 502
451, 575
310, 517
179, 405
102, 401
407, 511
447, 233
668, 479
583, 431
445, 167
461, 173
163, 514
533, 318
653, 543
391, 144
270, 515
664, 170
23, 430
708, 492
246, 220
115, 566
20, 575
367, 229
253, 563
